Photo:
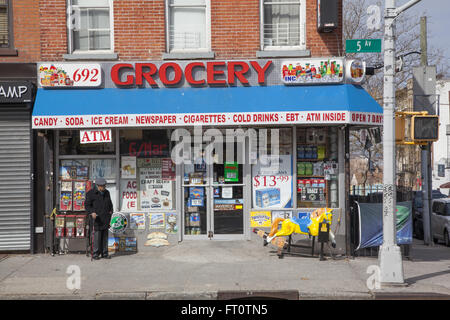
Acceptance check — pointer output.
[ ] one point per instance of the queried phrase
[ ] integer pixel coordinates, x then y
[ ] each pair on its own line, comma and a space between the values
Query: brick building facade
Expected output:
273, 68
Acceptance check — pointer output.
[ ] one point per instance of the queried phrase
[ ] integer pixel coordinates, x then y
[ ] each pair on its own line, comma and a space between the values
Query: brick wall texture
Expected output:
40, 30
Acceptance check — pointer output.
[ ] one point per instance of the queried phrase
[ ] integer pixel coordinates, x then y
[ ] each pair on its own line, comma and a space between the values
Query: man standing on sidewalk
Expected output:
99, 206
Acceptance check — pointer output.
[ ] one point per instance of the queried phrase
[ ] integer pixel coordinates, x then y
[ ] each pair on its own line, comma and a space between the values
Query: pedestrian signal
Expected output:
425, 128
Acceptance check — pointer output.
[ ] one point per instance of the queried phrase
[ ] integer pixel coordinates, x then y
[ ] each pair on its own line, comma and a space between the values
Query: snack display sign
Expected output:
310, 71
69, 75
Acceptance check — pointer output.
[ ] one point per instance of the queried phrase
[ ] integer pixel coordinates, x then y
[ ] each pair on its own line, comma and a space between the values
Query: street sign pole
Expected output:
390, 256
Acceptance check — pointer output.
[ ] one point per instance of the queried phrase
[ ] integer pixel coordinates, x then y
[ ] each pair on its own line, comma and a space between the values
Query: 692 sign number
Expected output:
86, 75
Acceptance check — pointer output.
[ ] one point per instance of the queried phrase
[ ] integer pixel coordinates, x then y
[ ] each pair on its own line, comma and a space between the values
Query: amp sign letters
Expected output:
15, 92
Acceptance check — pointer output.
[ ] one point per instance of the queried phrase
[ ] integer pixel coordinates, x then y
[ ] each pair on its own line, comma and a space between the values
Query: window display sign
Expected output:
128, 167
310, 71
65, 198
129, 195
272, 188
79, 195
260, 219
69, 75
231, 172
156, 220
137, 221
154, 191
95, 136
171, 222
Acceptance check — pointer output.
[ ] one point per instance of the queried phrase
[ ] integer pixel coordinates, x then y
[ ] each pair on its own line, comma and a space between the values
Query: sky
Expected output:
438, 21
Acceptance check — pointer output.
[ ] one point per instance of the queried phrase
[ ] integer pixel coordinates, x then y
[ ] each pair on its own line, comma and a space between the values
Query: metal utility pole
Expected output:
426, 150
390, 256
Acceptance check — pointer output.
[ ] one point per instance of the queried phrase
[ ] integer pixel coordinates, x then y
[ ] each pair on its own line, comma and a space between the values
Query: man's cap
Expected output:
100, 181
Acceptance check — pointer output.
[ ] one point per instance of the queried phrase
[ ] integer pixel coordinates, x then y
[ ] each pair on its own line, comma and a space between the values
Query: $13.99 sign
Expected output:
272, 188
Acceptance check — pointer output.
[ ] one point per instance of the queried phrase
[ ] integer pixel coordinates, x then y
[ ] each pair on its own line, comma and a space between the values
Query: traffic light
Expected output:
425, 128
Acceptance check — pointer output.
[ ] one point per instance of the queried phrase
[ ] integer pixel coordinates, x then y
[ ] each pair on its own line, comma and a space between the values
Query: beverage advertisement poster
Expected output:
137, 221
272, 184
154, 191
79, 195
261, 219
128, 168
171, 222
156, 220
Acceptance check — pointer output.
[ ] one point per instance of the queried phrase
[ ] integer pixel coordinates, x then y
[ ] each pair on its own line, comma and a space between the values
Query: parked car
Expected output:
440, 220
417, 209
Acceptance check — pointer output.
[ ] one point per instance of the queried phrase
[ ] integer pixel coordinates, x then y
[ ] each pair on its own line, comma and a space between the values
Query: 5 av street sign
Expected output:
362, 45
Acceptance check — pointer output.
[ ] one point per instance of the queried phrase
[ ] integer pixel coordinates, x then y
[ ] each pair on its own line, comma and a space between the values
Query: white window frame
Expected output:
70, 9
207, 26
302, 34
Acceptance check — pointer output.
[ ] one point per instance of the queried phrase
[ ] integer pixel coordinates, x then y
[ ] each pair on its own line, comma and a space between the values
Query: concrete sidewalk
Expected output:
204, 269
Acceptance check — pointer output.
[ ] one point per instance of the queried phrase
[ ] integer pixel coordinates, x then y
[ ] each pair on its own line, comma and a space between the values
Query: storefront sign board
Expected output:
312, 71
15, 92
69, 75
210, 119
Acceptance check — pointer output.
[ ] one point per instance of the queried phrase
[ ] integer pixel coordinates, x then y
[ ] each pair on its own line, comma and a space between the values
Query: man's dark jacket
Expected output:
102, 205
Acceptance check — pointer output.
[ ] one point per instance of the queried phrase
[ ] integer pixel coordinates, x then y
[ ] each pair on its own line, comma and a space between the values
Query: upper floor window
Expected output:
283, 24
90, 26
188, 25
6, 33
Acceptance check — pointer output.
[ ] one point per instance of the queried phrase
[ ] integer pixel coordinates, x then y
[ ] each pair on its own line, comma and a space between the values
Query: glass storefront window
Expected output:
272, 183
76, 178
316, 167
69, 144
147, 171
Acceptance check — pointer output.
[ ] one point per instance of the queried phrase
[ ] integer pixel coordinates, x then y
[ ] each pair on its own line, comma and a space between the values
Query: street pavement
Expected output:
209, 270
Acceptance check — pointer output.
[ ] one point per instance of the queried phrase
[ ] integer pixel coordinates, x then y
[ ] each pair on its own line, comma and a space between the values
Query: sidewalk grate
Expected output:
258, 295
410, 296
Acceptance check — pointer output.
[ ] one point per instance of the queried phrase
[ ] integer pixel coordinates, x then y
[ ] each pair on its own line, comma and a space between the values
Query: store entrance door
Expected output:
214, 192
